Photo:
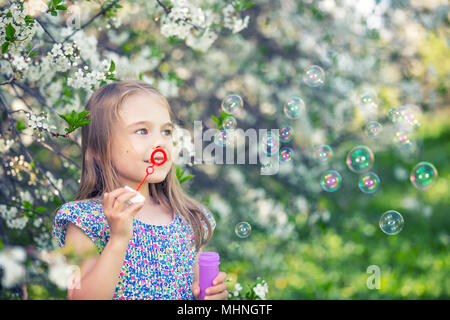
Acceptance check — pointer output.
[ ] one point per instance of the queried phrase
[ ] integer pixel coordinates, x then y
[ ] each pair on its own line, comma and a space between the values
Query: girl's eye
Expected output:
168, 132
141, 131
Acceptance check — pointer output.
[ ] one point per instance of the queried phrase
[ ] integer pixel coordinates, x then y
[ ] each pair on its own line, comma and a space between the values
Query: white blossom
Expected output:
11, 261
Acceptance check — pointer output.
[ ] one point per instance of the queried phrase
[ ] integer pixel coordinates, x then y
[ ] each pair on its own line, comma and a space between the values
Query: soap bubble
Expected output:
373, 129
406, 116
221, 138
286, 154
294, 107
367, 101
314, 76
232, 103
331, 181
360, 159
286, 133
323, 153
391, 222
369, 182
424, 175
403, 139
270, 143
243, 229
229, 123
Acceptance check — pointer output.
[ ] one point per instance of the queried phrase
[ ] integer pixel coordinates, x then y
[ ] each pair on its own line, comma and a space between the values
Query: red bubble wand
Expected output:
150, 169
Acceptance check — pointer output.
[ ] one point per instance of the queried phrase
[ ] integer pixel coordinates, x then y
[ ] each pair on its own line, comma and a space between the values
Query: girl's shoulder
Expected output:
85, 214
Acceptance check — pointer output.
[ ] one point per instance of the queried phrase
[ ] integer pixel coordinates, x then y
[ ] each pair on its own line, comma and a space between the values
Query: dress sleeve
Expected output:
85, 217
211, 219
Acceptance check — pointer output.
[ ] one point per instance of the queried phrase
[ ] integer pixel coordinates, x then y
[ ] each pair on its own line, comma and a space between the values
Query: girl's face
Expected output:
144, 125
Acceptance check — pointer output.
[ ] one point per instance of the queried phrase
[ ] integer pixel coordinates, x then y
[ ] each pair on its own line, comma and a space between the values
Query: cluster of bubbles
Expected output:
243, 229
360, 159
231, 105
406, 119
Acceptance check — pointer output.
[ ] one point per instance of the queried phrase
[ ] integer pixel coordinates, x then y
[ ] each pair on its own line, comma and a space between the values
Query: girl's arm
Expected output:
99, 274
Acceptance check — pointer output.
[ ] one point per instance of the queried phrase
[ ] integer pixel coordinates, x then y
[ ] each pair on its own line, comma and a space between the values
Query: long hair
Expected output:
98, 174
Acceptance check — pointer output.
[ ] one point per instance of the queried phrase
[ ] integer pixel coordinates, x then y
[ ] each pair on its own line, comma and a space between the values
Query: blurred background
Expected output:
305, 242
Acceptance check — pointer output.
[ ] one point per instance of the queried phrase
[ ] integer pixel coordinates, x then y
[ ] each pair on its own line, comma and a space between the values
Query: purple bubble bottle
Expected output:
208, 263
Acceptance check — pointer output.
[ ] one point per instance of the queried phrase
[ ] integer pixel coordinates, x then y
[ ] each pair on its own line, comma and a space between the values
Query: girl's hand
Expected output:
217, 292
119, 215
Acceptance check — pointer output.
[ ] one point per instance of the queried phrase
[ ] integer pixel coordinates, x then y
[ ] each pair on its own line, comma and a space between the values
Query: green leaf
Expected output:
29, 20
61, 7
10, 32
54, 13
83, 122
40, 209
190, 176
5, 46
82, 114
141, 76
112, 67
20, 125
27, 205
66, 118
248, 5
216, 120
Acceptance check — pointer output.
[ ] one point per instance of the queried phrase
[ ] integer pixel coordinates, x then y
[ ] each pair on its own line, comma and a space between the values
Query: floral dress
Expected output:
160, 259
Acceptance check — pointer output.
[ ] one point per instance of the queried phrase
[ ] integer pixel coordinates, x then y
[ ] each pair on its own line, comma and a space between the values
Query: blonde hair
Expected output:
98, 174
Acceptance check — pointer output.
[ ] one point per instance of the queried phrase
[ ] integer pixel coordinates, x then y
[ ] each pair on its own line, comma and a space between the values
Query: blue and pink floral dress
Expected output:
160, 259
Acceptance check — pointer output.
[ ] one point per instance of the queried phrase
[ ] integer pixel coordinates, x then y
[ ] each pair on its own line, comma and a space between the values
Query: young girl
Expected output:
146, 250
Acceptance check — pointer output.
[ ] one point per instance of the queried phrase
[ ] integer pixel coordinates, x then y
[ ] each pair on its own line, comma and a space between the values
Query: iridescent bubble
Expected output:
394, 115
286, 154
369, 182
391, 222
373, 129
407, 116
314, 76
367, 101
294, 107
270, 143
323, 153
360, 159
286, 133
220, 138
403, 139
229, 123
331, 181
424, 175
232, 103
243, 229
